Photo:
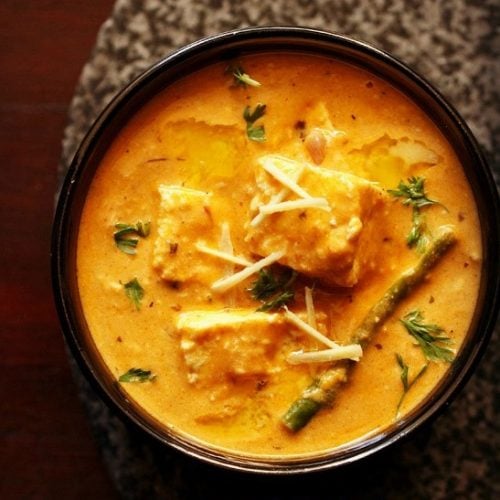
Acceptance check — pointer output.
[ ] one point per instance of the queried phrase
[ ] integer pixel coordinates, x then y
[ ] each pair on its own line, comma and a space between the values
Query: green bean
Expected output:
323, 390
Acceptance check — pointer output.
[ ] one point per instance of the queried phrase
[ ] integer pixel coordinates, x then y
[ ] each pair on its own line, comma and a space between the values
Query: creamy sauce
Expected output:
193, 136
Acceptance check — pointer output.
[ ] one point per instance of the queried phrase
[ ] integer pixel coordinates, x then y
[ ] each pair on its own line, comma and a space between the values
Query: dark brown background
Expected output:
46, 450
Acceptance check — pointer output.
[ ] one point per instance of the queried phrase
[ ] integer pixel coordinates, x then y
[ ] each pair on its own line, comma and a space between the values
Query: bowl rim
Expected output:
248, 40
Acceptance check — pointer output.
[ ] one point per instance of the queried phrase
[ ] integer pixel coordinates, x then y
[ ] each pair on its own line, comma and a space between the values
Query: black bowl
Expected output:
229, 46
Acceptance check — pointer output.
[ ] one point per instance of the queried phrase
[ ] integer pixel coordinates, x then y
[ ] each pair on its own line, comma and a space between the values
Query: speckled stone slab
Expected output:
454, 45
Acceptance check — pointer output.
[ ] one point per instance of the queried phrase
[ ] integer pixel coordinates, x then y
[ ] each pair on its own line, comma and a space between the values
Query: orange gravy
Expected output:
193, 135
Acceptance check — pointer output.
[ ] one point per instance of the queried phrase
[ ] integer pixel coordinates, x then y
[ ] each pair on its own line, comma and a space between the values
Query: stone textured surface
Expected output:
454, 45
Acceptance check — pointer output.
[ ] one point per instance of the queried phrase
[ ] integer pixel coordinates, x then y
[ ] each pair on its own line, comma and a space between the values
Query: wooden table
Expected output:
46, 447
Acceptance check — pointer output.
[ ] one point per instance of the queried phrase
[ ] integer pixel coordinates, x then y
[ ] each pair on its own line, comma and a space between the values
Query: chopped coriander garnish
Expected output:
123, 231
429, 337
135, 292
255, 133
137, 375
278, 302
141, 228
265, 286
268, 284
404, 379
419, 235
241, 77
276, 288
127, 245
414, 194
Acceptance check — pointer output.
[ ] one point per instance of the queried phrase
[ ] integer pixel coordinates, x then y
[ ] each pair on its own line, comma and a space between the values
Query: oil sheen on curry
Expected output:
279, 256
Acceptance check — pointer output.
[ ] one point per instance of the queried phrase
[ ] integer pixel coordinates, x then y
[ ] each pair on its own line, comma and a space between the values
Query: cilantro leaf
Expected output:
264, 286
404, 379
255, 133
123, 233
428, 337
137, 375
412, 193
275, 287
419, 235
404, 371
135, 292
241, 77
278, 302
127, 245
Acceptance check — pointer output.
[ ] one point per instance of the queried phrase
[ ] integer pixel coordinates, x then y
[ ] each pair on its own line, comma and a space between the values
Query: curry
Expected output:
279, 255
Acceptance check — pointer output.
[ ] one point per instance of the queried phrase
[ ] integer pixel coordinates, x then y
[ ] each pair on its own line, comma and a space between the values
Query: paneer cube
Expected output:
333, 246
185, 218
228, 345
